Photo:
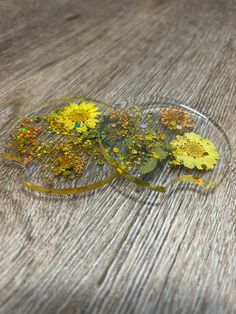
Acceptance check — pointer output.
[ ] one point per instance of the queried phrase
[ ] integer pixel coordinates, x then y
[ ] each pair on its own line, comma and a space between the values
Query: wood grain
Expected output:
118, 249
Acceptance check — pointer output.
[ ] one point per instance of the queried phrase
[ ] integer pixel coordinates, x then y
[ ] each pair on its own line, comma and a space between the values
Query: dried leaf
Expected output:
148, 166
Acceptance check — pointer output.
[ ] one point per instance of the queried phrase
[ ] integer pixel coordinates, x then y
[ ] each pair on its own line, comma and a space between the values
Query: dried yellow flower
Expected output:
176, 119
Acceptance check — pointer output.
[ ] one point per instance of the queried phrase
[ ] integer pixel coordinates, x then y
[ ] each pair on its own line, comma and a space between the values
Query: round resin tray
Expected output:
156, 142
59, 148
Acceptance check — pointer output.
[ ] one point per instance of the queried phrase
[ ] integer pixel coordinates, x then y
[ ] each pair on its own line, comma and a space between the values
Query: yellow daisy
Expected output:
81, 116
191, 150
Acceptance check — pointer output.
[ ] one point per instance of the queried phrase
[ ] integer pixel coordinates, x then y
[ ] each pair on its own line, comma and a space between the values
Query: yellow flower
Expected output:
149, 137
155, 156
191, 150
116, 150
81, 116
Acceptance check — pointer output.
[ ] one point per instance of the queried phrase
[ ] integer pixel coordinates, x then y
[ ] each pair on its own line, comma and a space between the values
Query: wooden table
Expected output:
111, 251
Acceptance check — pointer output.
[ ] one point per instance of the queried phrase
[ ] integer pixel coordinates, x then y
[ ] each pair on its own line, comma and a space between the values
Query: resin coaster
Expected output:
156, 142
59, 148
74, 145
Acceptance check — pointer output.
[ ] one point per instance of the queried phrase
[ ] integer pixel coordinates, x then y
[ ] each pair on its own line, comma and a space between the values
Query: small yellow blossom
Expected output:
116, 150
155, 155
149, 137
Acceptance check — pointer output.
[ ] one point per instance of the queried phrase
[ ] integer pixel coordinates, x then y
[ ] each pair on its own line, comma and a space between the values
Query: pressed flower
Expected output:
116, 150
191, 150
149, 137
176, 119
156, 155
81, 116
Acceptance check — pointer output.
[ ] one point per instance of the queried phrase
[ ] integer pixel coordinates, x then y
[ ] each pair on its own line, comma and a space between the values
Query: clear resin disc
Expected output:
59, 148
156, 142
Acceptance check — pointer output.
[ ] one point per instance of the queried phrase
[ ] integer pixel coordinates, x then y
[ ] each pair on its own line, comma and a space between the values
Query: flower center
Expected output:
194, 149
79, 116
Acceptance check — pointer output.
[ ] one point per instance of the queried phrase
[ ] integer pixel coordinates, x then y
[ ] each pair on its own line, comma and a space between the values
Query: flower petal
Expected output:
189, 162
